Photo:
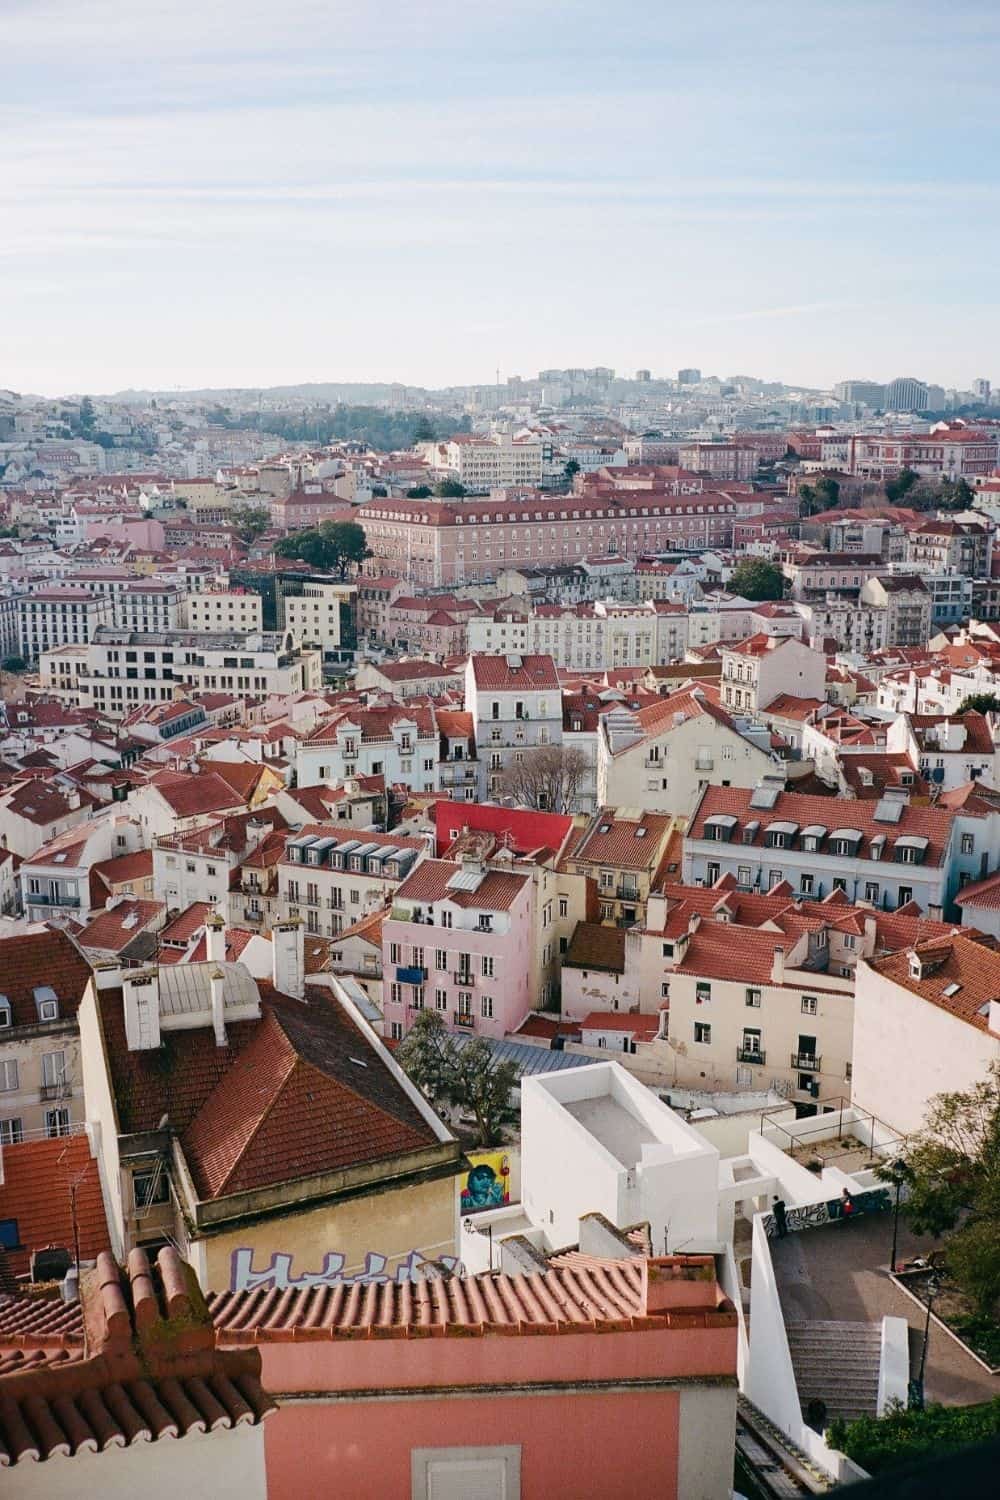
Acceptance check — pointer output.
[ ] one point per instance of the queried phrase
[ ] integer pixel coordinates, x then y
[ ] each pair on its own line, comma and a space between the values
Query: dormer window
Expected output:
46, 1003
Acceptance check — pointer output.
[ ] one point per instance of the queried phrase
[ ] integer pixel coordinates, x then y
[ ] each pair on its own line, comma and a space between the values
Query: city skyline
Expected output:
247, 198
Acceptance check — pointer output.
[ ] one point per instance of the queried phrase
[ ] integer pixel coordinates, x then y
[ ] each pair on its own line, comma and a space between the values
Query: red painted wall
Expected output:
573, 1447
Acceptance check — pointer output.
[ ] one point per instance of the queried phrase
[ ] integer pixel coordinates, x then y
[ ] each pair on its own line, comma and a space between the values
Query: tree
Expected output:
955, 494
13, 664
548, 779
423, 432
86, 418
895, 489
334, 546
571, 470
980, 703
419, 492
823, 495
449, 489
905, 1436
755, 578
468, 1078
954, 1175
251, 523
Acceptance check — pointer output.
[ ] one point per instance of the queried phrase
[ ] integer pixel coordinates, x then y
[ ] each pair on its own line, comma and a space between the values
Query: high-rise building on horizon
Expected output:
860, 392
688, 377
906, 393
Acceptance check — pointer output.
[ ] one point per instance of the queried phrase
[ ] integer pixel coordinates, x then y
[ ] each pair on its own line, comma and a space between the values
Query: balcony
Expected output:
627, 892
806, 1062
464, 1018
465, 978
751, 1055
50, 1091
37, 899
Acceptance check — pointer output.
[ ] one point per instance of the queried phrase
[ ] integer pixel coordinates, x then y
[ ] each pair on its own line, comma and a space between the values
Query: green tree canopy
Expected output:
980, 703
449, 489
823, 495
900, 486
86, 418
332, 547
905, 1437
423, 432
251, 523
756, 578
953, 1168
419, 492
468, 1078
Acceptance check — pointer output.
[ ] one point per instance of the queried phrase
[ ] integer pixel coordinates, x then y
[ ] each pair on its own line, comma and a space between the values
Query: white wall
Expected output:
226, 1465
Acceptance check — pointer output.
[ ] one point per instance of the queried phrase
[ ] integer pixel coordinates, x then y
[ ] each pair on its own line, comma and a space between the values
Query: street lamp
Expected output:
897, 1172
933, 1289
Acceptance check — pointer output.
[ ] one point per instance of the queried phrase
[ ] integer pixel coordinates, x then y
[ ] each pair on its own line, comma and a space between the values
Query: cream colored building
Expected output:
43, 976
225, 610
662, 757
755, 1010
314, 616
487, 462
926, 1022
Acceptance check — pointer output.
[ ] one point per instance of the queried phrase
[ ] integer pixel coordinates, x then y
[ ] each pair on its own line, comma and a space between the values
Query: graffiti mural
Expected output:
814, 1215
277, 1275
488, 1182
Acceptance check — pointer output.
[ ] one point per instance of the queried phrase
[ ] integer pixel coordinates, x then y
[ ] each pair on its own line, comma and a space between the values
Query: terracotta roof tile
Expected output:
531, 674
622, 842
596, 947
497, 891
38, 1176
35, 958
954, 963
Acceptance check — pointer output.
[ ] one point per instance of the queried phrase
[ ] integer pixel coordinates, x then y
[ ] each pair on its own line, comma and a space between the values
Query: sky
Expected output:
243, 192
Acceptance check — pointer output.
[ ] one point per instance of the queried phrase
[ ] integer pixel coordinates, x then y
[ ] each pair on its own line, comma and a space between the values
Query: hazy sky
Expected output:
251, 192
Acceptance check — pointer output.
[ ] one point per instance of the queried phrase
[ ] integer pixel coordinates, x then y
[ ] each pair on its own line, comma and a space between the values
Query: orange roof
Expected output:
37, 1178
959, 965
497, 891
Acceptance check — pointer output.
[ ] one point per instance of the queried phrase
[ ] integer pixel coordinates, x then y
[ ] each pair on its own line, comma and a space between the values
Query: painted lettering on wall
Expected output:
277, 1275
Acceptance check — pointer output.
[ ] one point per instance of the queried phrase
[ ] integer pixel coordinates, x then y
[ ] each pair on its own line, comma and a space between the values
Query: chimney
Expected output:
778, 966
73, 798
141, 995
288, 957
672, 1282
218, 982
215, 939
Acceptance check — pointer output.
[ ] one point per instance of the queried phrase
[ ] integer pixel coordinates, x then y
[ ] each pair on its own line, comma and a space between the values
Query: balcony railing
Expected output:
806, 1062
35, 898
627, 892
464, 1018
465, 978
50, 1091
751, 1055
411, 974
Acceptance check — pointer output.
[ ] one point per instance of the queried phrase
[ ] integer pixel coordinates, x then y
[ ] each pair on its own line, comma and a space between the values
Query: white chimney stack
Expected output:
218, 982
141, 994
215, 939
288, 957
778, 966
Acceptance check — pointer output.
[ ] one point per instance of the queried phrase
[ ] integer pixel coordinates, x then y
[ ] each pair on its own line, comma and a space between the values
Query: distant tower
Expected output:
982, 389
643, 376
688, 377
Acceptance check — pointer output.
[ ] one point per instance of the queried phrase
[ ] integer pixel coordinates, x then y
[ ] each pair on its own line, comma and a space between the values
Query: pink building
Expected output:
460, 940
419, 1390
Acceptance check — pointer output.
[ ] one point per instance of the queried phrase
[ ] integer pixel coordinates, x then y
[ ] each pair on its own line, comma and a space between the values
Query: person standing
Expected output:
780, 1217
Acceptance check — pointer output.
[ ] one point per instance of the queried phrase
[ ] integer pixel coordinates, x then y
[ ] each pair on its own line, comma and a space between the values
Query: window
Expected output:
463, 1473
8, 1076
702, 992
152, 1185
968, 843
56, 1122
10, 1237
486, 1006
441, 999
394, 952
11, 1132
871, 890
440, 958
487, 966
808, 1005
702, 1032
753, 998
446, 917
53, 1070
563, 906
396, 1031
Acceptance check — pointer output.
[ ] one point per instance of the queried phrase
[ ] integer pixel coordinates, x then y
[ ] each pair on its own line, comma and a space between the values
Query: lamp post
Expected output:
933, 1288
898, 1173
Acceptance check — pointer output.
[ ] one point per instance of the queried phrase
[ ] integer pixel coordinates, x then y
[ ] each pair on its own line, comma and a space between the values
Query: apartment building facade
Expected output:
224, 611
400, 743
458, 940
516, 706
60, 616
332, 879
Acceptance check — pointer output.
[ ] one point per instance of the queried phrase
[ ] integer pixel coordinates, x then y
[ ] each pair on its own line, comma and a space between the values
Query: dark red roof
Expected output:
37, 1179
41, 958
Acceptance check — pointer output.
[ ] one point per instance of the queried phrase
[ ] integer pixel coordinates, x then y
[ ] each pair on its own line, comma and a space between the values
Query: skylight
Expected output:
951, 989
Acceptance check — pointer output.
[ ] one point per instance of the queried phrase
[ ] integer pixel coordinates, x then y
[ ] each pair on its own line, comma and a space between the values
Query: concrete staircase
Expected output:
837, 1363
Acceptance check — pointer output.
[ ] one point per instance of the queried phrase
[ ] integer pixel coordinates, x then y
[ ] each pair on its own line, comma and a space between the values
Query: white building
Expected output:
757, 670
225, 611
60, 617
316, 615
926, 1021
487, 462
400, 743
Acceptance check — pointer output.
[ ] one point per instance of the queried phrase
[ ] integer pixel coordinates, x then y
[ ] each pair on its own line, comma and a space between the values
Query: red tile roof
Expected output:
984, 895
37, 1179
953, 963
833, 814
592, 1294
190, 796
627, 1023
137, 1380
282, 1100
114, 928
531, 674
596, 947
497, 891
623, 843
36, 958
